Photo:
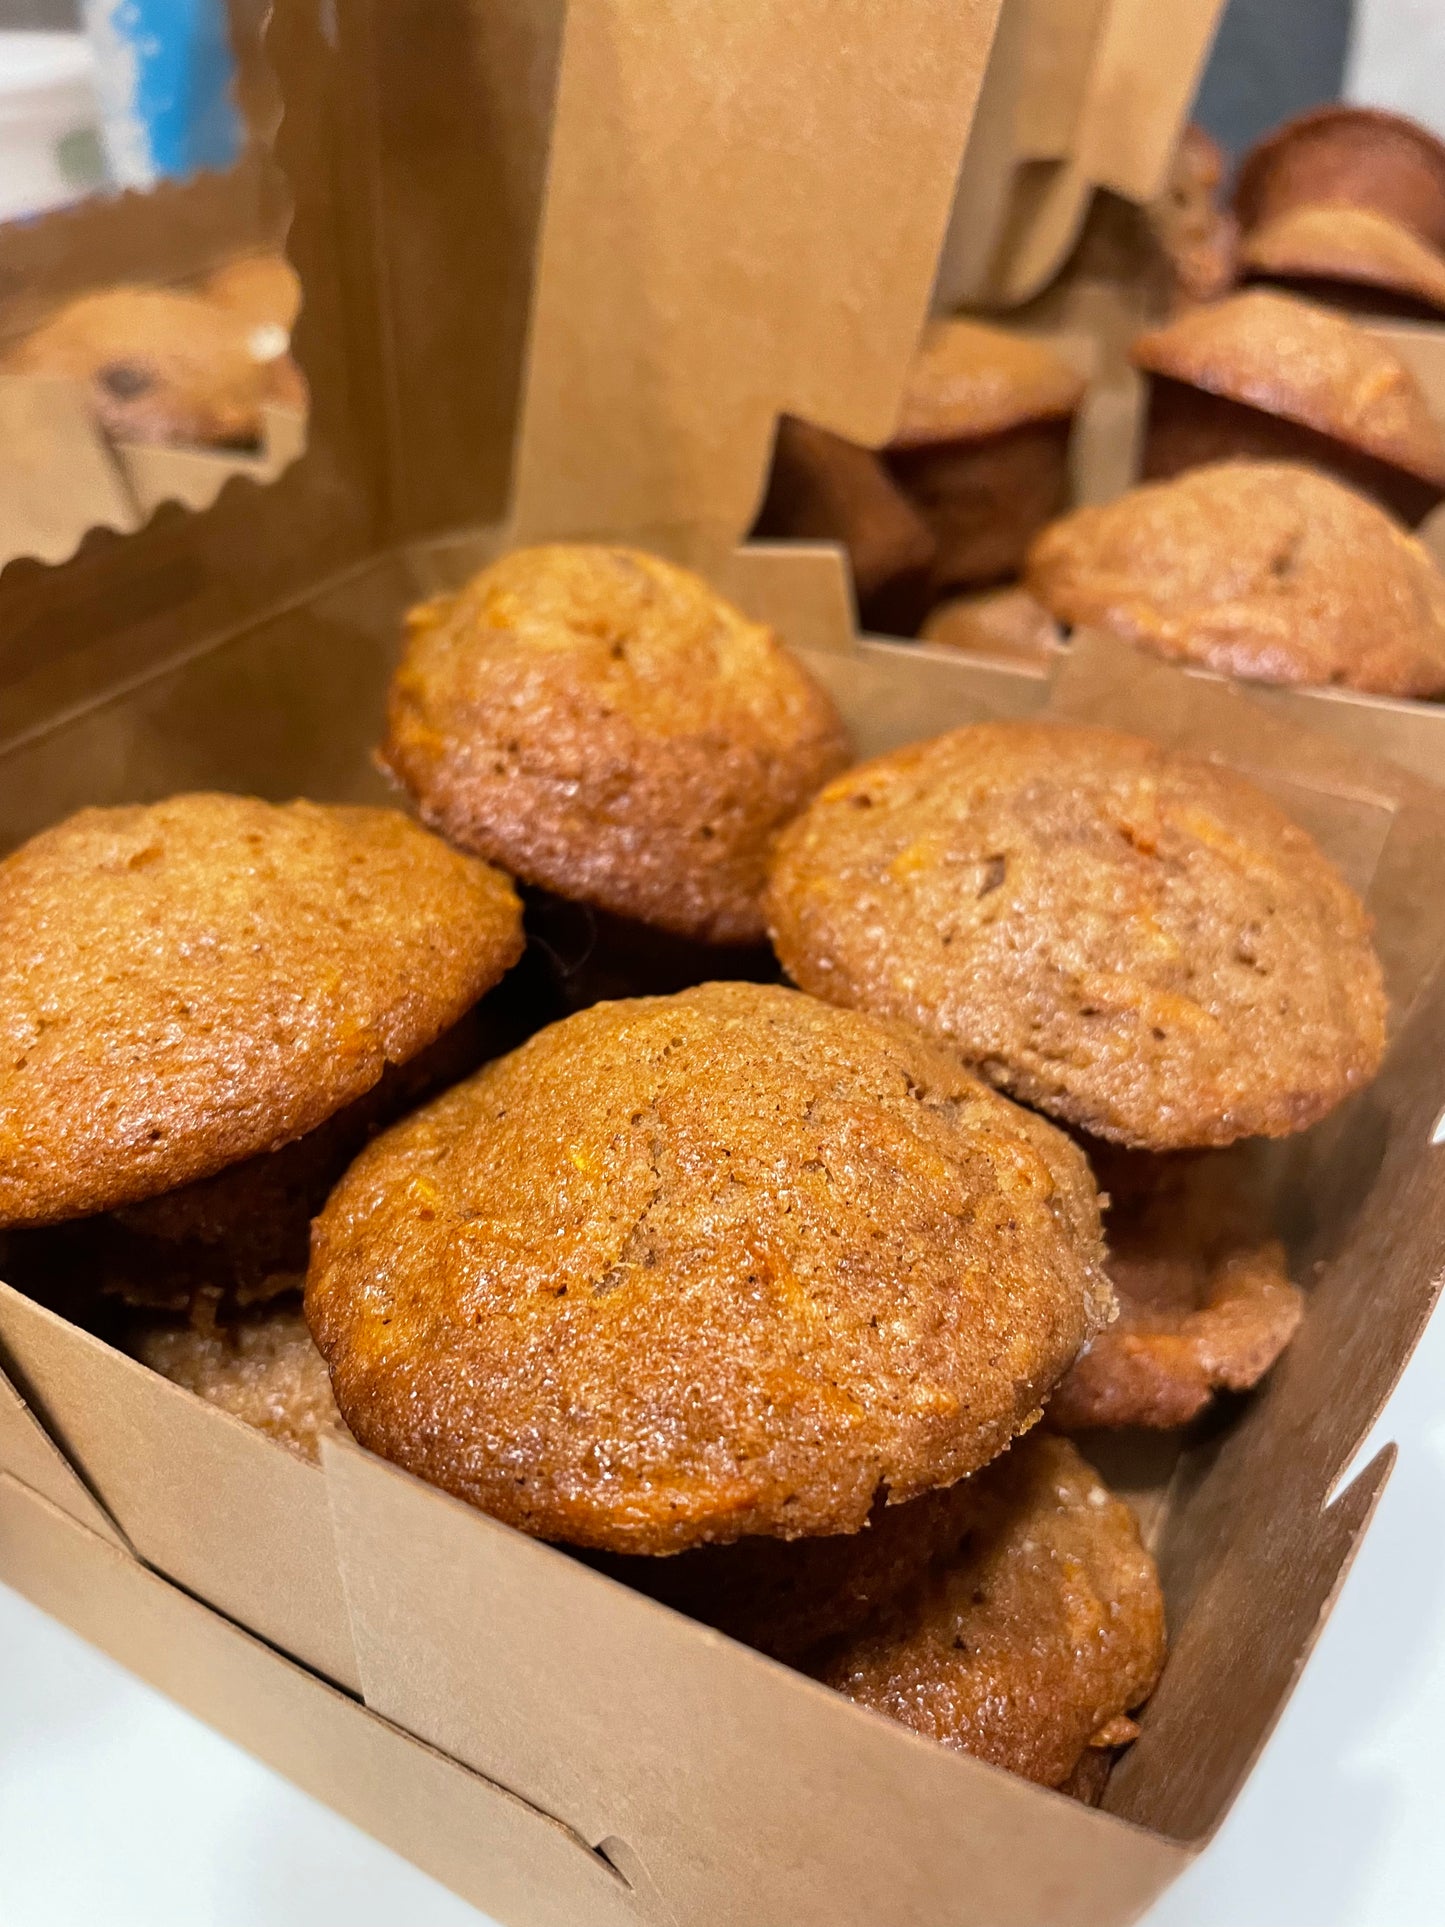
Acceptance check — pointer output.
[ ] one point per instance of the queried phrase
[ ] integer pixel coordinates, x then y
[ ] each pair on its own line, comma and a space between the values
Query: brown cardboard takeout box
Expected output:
734, 218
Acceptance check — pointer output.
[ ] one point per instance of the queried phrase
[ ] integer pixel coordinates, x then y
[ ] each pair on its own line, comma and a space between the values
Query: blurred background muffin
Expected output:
982, 446
1348, 204
1267, 376
1266, 570
157, 365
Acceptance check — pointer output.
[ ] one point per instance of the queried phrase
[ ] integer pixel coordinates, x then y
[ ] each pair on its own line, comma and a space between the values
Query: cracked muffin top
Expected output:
1306, 364
687, 1268
1266, 570
969, 380
600, 722
193, 982
1138, 943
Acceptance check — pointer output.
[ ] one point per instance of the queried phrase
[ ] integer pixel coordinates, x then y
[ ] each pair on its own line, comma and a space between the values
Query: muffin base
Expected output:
1187, 427
986, 500
823, 488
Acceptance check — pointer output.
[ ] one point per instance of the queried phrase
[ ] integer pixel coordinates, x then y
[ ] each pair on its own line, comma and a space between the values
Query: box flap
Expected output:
1081, 94
231, 1515
481, 1841
777, 183
732, 1780
57, 476
29, 1455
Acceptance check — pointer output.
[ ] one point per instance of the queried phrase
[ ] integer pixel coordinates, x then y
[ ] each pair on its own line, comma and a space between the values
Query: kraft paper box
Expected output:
563, 272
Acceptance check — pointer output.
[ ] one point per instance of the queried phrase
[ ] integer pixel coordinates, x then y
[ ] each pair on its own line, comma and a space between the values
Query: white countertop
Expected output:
117, 1808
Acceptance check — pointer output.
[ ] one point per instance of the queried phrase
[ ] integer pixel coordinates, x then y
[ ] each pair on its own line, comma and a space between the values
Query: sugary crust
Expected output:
688, 1268
195, 982
1036, 1640
601, 723
1290, 358
1138, 943
1266, 570
969, 381
264, 1369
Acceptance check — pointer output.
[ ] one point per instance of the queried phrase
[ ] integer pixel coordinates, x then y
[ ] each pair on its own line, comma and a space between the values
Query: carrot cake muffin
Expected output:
1265, 375
158, 366
1355, 156
683, 1269
1136, 942
263, 289
998, 622
1205, 1299
210, 1001
1265, 570
263, 1368
982, 445
1035, 1640
599, 722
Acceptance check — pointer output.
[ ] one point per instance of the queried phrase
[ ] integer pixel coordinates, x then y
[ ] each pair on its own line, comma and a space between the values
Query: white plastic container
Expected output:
49, 122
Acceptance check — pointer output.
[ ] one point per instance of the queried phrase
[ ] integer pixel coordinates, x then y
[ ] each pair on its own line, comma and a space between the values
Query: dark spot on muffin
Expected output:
126, 380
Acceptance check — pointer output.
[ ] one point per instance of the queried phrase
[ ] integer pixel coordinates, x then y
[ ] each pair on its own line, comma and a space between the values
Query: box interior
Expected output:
1359, 1198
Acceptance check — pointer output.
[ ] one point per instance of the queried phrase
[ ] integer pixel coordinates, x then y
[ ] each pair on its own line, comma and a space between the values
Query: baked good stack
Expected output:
776, 1301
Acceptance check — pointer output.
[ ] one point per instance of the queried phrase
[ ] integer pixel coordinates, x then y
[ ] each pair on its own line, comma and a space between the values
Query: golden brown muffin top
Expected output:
687, 1268
600, 722
263, 289
1036, 1640
999, 622
1337, 242
1267, 570
1306, 364
1136, 942
192, 982
158, 366
969, 380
